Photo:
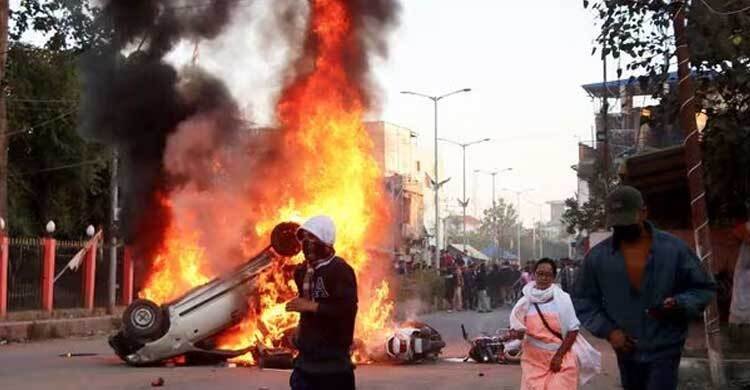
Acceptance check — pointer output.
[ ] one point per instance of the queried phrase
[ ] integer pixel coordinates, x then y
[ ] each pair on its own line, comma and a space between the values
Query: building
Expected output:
453, 226
397, 155
629, 131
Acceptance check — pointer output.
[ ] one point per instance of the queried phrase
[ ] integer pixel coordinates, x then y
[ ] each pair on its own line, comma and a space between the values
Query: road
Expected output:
39, 366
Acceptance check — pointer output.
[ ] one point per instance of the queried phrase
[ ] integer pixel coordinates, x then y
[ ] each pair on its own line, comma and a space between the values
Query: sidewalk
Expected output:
37, 325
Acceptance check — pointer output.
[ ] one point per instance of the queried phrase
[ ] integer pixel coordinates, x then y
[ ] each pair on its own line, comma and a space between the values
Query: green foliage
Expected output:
720, 52
64, 24
53, 173
499, 223
590, 215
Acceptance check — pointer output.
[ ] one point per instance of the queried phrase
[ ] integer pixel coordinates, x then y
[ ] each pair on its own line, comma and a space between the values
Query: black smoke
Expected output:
133, 99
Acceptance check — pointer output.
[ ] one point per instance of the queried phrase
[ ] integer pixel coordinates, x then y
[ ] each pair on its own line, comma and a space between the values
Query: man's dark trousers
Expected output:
654, 375
301, 380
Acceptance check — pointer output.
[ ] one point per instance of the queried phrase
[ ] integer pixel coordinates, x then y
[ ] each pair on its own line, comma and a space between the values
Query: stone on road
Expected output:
40, 366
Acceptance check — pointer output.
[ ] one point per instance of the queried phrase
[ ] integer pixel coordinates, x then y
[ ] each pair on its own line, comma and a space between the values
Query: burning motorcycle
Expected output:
411, 342
500, 348
187, 325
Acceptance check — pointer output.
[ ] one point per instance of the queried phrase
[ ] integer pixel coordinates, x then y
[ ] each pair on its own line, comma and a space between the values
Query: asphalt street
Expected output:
39, 366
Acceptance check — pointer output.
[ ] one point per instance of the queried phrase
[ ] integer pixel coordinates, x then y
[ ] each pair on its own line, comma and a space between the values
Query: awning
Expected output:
470, 251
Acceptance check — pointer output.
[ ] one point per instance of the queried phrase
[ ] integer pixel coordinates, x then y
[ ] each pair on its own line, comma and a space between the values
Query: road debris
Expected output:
77, 354
158, 382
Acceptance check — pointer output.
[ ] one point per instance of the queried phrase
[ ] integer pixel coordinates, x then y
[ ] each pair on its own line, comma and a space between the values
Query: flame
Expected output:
322, 163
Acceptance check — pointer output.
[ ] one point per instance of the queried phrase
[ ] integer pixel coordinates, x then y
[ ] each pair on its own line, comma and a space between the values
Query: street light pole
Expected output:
436, 179
518, 230
464, 202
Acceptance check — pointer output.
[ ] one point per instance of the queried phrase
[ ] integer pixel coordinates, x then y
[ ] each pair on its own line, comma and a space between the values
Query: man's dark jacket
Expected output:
324, 338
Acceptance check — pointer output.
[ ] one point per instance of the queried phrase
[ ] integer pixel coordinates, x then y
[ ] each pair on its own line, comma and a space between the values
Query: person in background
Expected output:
469, 289
458, 299
483, 300
515, 277
493, 286
568, 274
639, 289
506, 283
555, 355
327, 304
450, 286
527, 275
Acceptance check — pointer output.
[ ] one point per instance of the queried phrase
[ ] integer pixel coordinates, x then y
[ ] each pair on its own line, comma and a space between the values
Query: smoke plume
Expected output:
135, 101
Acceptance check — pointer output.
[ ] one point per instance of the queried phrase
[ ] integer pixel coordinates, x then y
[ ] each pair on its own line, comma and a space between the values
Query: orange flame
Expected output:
322, 163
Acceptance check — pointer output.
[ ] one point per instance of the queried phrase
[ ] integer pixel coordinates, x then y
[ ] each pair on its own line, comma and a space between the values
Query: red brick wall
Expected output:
725, 247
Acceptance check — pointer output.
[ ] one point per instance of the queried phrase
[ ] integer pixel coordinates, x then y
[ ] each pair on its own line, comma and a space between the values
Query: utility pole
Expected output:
518, 229
699, 214
463, 202
3, 115
114, 194
436, 180
603, 135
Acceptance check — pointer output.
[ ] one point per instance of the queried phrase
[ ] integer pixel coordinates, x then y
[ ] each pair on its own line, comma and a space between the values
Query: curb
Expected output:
20, 331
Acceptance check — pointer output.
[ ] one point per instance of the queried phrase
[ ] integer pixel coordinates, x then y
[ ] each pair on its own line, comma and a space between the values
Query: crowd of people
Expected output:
475, 285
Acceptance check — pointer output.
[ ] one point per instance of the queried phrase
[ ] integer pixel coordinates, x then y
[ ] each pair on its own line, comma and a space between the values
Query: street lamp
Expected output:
464, 202
541, 231
518, 205
436, 180
493, 174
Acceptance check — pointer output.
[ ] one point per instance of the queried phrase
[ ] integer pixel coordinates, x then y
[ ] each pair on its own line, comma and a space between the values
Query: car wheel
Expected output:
144, 320
284, 239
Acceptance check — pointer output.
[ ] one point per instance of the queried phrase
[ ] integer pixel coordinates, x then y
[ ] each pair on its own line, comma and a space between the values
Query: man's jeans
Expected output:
655, 375
300, 380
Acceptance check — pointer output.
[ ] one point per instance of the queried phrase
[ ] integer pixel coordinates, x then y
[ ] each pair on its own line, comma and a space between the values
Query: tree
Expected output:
499, 224
63, 24
638, 34
53, 172
589, 215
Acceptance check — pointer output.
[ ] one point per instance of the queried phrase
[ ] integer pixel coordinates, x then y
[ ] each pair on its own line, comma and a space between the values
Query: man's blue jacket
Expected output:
605, 301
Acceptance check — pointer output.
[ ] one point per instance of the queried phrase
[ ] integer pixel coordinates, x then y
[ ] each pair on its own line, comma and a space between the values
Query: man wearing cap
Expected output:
638, 289
327, 303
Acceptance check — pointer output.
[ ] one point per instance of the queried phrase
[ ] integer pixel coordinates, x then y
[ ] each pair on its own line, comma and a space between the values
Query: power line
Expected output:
725, 13
23, 100
61, 167
48, 121
205, 5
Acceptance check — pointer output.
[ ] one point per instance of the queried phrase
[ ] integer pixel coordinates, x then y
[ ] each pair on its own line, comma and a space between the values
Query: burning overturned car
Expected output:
187, 326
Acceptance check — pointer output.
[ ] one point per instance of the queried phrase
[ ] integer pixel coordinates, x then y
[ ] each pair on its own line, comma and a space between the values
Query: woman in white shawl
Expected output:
555, 355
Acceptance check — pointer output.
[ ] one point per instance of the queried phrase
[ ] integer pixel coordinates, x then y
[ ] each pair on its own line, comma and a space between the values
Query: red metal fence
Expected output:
33, 275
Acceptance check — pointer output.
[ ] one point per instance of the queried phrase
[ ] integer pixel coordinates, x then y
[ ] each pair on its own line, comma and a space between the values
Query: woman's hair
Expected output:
549, 261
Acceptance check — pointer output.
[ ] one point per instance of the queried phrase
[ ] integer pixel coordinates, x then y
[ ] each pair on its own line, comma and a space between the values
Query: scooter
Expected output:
499, 349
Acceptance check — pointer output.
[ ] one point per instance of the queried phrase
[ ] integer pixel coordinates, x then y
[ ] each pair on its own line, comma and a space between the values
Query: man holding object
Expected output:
327, 303
639, 289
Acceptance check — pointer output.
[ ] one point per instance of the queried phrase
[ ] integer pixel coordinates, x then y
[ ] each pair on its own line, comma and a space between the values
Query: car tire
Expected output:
144, 320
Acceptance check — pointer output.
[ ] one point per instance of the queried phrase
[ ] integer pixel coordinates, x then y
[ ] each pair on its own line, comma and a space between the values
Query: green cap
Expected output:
623, 206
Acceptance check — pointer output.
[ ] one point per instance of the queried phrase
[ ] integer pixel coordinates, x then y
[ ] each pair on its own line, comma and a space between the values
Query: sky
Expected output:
525, 62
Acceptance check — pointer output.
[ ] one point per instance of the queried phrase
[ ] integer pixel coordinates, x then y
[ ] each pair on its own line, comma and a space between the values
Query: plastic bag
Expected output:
739, 311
